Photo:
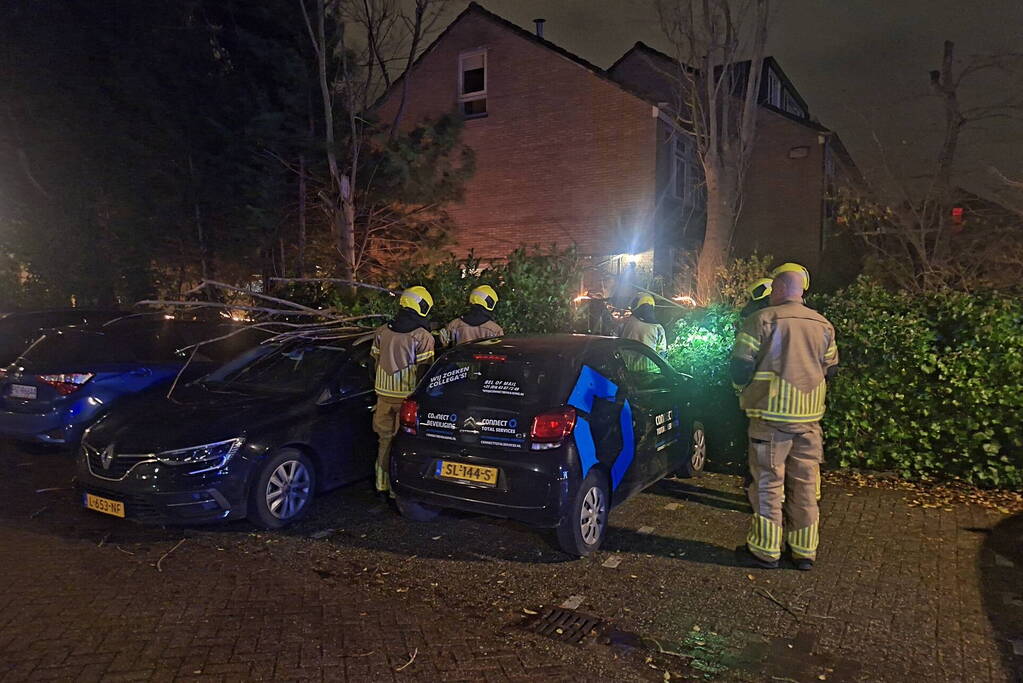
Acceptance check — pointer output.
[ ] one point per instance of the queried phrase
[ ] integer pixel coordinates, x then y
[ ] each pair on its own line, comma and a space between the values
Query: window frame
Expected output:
774, 86
683, 157
476, 95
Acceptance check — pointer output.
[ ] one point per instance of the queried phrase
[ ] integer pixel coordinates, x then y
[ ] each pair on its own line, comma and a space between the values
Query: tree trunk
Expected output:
717, 241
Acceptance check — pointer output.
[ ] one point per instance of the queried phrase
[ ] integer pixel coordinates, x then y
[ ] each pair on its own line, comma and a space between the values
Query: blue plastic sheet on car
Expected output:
591, 385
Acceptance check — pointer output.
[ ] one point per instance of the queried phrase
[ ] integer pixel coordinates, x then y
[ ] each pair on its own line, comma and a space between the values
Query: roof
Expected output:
538, 344
477, 9
670, 61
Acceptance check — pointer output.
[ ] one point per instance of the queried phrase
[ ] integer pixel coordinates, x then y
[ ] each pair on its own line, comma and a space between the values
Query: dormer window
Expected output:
472, 83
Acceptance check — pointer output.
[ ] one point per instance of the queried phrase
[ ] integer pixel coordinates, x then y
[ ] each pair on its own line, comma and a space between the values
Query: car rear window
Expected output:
492, 379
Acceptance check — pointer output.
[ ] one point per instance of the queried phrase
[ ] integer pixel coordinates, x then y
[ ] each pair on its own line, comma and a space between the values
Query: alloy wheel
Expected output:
593, 515
699, 453
287, 491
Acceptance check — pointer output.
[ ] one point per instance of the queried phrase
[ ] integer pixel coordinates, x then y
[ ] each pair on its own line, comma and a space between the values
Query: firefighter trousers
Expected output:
784, 461
385, 424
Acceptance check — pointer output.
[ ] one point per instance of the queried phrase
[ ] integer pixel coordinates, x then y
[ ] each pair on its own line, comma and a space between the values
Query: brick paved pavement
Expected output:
900, 593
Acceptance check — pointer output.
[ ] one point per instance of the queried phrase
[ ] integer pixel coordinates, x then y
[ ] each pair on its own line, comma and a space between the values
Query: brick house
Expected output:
569, 153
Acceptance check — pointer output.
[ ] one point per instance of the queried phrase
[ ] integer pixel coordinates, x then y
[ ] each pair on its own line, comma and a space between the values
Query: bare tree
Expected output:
719, 54
915, 239
358, 45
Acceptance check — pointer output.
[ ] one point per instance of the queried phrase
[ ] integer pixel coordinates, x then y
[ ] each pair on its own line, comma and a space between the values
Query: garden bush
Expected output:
930, 386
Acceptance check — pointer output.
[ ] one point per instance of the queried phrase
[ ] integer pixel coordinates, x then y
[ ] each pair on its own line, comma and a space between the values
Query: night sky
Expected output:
862, 65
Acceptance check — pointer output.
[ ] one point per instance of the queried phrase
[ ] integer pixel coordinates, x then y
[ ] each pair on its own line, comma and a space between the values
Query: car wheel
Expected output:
696, 456
415, 511
582, 530
283, 491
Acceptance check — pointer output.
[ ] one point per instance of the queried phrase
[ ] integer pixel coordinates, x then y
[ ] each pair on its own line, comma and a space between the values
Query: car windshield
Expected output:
292, 369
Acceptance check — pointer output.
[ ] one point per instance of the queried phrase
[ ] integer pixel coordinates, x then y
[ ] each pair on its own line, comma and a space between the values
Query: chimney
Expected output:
539, 27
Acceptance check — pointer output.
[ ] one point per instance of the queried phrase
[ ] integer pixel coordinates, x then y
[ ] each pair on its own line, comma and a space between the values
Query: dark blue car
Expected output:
72, 376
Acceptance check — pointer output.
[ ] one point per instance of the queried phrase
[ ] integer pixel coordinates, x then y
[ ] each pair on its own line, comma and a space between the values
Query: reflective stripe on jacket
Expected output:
790, 348
397, 354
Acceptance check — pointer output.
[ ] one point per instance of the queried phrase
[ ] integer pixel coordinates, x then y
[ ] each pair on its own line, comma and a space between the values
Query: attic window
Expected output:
774, 88
472, 83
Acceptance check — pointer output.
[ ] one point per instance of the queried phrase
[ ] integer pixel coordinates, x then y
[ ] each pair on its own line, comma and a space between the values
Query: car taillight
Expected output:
551, 428
66, 383
409, 416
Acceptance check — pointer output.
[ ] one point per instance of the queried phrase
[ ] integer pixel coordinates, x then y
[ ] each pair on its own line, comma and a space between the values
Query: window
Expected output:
792, 106
773, 88
642, 371
472, 83
685, 172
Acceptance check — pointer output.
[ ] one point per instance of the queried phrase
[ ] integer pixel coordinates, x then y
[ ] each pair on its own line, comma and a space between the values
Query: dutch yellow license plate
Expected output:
104, 505
486, 476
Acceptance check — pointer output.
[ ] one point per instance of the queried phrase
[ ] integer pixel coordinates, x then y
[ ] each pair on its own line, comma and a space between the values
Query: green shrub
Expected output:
930, 386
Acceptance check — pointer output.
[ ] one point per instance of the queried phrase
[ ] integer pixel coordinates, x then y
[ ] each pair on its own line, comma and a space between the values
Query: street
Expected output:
354, 592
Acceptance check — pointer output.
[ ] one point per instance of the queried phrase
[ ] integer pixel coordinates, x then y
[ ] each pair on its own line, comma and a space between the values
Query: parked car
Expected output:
71, 376
552, 431
21, 328
254, 439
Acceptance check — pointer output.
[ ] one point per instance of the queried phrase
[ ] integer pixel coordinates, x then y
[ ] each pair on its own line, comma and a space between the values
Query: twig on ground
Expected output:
411, 659
126, 552
103, 540
53, 488
764, 593
362, 654
39, 512
168, 553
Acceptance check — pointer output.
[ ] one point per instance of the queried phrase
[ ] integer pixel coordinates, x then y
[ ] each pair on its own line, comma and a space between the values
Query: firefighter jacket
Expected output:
458, 331
651, 334
781, 360
397, 354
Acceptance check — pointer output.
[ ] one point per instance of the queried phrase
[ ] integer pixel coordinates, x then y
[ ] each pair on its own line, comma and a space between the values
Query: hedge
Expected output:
929, 386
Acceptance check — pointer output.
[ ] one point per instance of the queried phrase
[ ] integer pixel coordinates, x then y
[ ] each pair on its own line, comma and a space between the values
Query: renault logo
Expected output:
107, 457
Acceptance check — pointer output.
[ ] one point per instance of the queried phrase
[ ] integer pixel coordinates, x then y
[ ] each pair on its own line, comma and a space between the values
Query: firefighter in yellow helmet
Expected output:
402, 349
759, 296
642, 326
782, 359
477, 322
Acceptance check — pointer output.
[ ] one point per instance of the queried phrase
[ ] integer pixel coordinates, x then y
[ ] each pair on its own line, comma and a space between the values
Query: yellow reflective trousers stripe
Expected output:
764, 537
803, 542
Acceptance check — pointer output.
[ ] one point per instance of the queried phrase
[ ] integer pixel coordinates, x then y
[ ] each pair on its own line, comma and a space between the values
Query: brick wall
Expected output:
781, 212
562, 157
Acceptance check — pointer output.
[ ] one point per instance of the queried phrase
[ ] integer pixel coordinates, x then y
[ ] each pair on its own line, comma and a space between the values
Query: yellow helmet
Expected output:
641, 299
484, 295
418, 299
793, 268
760, 289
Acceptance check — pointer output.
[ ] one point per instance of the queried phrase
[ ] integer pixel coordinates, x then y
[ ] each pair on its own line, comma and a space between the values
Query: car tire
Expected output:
283, 490
696, 454
415, 511
584, 526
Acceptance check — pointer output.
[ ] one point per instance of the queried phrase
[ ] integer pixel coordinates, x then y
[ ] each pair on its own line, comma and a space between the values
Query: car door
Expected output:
652, 390
342, 430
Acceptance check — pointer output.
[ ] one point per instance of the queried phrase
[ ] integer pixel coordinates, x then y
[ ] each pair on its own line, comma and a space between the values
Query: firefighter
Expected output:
782, 359
759, 297
642, 325
477, 322
402, 349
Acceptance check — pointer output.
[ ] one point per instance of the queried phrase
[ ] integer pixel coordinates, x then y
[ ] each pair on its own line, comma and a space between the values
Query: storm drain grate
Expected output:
564, 624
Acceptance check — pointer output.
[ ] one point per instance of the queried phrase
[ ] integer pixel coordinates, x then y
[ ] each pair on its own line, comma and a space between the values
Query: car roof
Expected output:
559, 344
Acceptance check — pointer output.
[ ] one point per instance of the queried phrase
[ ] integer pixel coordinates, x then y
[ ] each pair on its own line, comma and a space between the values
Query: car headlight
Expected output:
210, 456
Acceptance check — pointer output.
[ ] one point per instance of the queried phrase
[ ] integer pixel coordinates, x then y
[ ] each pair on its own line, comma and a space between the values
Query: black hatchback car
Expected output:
552, 431
256, 438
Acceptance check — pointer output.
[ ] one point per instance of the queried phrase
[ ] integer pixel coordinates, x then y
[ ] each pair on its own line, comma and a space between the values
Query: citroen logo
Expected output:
107, 457
470, 425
